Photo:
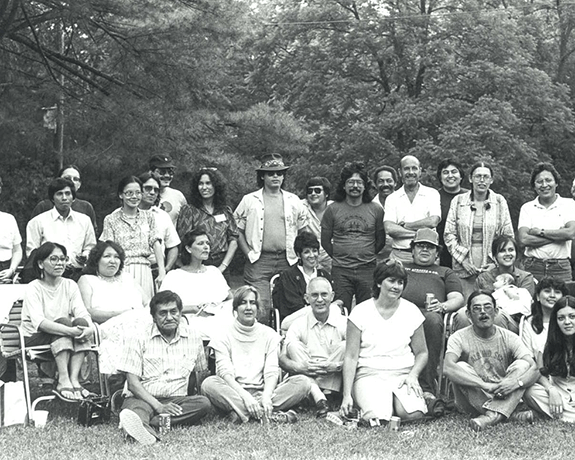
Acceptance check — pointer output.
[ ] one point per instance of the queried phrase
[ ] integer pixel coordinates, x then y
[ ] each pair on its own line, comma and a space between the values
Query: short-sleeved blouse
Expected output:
385, 343
120, 294
136, 238
535, 342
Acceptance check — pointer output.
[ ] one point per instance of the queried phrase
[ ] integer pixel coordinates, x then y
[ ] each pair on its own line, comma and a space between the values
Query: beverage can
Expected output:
394, 423
165, 423
429, 297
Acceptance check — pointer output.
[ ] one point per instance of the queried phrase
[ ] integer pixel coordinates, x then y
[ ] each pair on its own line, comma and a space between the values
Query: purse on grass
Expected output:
94, 410
12, 404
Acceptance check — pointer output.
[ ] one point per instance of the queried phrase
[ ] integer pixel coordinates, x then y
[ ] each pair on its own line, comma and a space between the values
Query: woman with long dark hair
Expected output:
552, 396
210, 213
547, 292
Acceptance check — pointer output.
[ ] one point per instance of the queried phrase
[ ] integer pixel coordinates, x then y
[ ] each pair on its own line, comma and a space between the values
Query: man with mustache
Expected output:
171, 200
158, 363
489, 366
410, 208
425, 277
352, 234
385, 178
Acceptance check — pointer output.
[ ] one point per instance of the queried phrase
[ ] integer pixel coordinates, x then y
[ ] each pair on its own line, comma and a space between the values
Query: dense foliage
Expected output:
221, 82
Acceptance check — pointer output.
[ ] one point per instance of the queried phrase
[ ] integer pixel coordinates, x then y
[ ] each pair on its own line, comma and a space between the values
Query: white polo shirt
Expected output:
533, 214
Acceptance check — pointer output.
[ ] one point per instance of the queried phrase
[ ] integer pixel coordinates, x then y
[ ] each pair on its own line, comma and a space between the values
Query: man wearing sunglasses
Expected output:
318, 190
171, 200
268, 220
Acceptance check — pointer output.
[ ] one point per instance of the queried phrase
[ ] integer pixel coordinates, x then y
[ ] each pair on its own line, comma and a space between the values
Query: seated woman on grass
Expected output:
385, 352
552, 396
247, 368
53, 313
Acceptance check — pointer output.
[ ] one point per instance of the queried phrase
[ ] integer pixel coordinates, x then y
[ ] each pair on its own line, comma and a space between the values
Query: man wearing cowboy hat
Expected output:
269, 219
425, 277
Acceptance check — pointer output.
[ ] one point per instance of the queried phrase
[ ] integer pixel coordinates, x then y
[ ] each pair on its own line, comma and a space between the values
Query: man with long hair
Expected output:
352, 234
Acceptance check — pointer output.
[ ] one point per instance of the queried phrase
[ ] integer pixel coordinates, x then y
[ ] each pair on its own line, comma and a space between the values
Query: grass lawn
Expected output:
310, 438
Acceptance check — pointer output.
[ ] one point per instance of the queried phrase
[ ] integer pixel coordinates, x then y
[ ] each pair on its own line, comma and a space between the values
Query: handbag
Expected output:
94, 410
13, 409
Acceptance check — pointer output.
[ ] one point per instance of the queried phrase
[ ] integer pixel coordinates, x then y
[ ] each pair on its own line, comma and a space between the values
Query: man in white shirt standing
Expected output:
63, 225
410, 208
547, 226
171, 200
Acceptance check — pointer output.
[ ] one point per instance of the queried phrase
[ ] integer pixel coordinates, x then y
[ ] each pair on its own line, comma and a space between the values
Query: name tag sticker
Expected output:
220, 218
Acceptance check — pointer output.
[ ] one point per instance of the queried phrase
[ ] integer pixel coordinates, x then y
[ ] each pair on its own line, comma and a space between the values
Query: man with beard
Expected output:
352, 234
490, 367
385, 178
410, 208
450, 175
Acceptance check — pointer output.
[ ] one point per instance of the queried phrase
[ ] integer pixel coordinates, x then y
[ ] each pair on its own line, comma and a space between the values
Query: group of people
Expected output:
396, 263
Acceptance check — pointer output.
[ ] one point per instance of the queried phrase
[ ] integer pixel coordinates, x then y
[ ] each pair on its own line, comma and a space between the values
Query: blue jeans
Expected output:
557, 268
350, 281
259, 275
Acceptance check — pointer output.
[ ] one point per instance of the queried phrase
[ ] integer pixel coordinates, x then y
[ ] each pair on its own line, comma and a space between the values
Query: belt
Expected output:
547, 261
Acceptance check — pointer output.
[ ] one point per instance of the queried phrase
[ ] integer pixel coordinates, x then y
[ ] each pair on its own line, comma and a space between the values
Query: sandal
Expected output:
66, 394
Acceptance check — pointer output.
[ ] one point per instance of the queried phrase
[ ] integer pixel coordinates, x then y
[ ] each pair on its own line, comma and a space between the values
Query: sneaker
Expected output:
322, 408
525, 416
284, 417
484, 421
133, 425
334, 418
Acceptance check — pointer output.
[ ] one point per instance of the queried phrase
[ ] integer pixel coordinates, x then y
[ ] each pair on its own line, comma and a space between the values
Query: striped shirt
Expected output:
164, 368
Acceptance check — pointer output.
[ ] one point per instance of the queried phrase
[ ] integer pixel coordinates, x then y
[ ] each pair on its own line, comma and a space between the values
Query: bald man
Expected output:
315, 344
410, 208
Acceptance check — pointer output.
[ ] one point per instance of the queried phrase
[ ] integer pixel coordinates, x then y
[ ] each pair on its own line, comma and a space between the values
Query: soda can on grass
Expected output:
165, 423
394, 423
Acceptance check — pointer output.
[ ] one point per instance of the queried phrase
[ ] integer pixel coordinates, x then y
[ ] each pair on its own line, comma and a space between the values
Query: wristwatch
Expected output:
520, 383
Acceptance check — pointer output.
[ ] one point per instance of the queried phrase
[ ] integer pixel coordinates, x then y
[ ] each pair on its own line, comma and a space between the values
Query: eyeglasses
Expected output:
151, 189
316, 190
274, 173
130, 193
544, 181
163, 171
480, 308
55, 259
354, 182
317, 295
482, 177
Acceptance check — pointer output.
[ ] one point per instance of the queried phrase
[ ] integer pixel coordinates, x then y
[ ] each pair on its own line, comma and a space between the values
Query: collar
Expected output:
55, 215
182, 331
312, 321
540, 206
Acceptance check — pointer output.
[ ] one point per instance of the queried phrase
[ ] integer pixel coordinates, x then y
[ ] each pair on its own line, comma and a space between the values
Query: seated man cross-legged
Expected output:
246, 384
158, 363
315, 344
489, 367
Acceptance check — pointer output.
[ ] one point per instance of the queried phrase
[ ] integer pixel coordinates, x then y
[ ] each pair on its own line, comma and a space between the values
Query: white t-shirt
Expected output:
197, 288
385, 343
166, 231
171, 201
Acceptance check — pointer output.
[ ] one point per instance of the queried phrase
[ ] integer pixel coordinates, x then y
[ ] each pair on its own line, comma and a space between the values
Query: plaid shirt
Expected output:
164, 368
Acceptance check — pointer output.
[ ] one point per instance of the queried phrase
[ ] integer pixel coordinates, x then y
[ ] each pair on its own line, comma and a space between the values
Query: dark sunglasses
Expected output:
274, 173
316, 190
151, 189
